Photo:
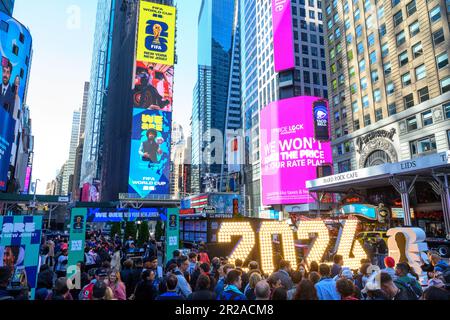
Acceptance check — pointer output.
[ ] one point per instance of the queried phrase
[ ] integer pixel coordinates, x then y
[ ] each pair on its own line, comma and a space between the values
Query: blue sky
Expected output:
62, 32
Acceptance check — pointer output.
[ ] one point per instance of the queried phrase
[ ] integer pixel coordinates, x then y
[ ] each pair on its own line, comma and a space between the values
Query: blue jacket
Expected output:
183, 287
441, 266
219, 287
231, 293
326, 289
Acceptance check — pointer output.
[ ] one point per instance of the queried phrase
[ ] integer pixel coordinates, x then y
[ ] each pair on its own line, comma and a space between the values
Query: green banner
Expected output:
77, 239
172, 232
20, 241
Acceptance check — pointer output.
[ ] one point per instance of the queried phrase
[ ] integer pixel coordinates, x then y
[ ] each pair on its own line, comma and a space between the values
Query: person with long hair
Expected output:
116, 285
306, 291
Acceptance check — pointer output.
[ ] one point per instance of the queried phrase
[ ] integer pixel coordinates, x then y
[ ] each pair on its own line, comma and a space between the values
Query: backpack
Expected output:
412, 292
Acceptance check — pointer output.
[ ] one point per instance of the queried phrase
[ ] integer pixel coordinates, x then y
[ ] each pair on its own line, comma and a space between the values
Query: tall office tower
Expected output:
216, 25
7, 6
176, 158
84, 107
389, 80
262, 85
98, 91
70, 164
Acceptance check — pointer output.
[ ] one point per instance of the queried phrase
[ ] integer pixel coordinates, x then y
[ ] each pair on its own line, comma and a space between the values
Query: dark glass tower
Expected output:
7, 6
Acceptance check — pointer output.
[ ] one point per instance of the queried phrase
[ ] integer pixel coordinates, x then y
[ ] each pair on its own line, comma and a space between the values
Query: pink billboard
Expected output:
290, 153
283, 35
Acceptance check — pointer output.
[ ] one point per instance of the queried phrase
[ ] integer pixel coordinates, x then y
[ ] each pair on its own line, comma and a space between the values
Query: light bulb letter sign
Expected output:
306, 228
245, 244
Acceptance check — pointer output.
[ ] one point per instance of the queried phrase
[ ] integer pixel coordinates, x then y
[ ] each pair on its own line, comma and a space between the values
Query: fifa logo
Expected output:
157, 34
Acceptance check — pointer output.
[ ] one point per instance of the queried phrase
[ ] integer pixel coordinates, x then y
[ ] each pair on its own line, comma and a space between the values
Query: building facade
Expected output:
7, 6
389, 80
69, 170
262, 85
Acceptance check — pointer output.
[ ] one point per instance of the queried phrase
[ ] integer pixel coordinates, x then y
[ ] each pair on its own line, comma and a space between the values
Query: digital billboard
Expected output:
150, 153
156, 33
7, 125
290, 154
283, 35
153, 86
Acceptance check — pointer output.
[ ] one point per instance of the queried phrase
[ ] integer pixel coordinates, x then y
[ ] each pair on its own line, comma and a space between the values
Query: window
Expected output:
406, 79
337, 32
377, 95
409, 101
390, 88
334, 84
21, 37
314, 52
380, 13
355, 106
304, 37
447, 110
362, 65
367, 121
336, 17
414, 28
349, 55
356, 15
315, 64
374, 75
353, 88
341, 79
15, 49
411, 124
367, 5
369, 23
378, 114
328, 10
305, 49
421, 72
356, 125
344, 166
411, 7
363, 83
336, 116
360, 48
392, 109
365, 101
384, 50
400, 38
382, 30
394, 3
387, 68
423, 146
445, 85
358, 31
373, 57
306, 62
306, 77
371, 39
316, 78
417, 50
423, 94
438, 36
312, 14
4, 26
398, 18
427, 118
347, 24
435, 14
403, 58
442, 60
351, 72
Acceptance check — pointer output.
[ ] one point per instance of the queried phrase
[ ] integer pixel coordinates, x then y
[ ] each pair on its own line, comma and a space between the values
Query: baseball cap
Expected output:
347, 273
389, 262
101, 272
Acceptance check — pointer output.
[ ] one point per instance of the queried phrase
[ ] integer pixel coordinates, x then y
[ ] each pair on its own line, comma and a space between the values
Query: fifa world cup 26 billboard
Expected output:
156, 33
291, 148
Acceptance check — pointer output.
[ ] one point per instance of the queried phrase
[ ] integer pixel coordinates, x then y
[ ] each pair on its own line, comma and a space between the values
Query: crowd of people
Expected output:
108, 273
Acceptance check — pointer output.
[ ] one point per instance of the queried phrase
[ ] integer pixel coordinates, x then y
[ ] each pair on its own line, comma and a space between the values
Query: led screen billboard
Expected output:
7, 125
156, 33
290, 154
150, 153
153, 86
283, 35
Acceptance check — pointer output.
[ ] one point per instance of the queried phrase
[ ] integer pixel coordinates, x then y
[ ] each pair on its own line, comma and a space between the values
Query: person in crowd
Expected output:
183, 286
313, 267
232, 290
202, 289
380, 250
297, 276
44, 282
262, 290
326, 287
99, 291
193, 263
176, 254
346, 289
363, 275
87, 291
116, 285
338, 262
279, 294
61, 265
314, 277
116, 258
389, 262
275, 282
390, 290
239, 265
223, 270
372, 289
439, 264
302, 268
305, 291
205, 269
253, 266
435, 293
249, 291
127, 277
407, 283
172, 291
51, 253
215, 266
60, 291
203, 256
145, 289
283, 274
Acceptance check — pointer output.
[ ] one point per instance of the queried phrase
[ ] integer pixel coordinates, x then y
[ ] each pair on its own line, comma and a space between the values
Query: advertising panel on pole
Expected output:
153, 86
20, 242
283, 35
290, 154
77, 239
7, 125
172, 232
156, 33
150, 153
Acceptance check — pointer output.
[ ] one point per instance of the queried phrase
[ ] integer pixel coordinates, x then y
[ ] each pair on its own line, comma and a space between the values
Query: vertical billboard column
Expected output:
77, 240
283, 35
149, 172
7, 125
172, 232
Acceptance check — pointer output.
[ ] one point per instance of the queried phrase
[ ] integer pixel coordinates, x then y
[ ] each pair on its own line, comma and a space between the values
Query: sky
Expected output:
63, 32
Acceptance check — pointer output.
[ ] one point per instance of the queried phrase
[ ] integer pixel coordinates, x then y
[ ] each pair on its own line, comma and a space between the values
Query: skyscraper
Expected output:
69, 168
389, 80
84, 106
216, 30
262, 85
7, 6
